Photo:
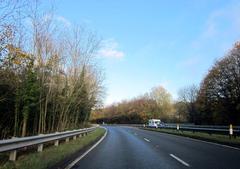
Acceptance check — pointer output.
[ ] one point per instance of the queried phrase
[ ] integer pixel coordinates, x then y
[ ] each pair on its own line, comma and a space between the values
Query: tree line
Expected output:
154, 104
215, 101
49, 77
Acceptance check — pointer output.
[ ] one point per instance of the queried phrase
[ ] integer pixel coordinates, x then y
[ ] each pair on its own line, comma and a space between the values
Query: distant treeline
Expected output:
155, 104
216, 101
49, 80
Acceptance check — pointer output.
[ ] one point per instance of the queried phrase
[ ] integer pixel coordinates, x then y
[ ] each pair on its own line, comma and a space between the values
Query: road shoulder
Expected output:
208, 140
71, 160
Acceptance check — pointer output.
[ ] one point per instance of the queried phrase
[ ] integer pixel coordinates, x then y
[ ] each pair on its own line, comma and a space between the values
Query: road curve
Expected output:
133, 148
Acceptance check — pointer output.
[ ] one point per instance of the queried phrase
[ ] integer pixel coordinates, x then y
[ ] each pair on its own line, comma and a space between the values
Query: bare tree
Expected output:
188, 96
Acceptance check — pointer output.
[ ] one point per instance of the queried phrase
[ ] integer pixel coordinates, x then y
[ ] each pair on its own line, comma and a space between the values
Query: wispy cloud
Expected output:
87, 21
222, 26
57, 19
110, 49
219, 33
190, 62
164, 83
63, 20
189, 66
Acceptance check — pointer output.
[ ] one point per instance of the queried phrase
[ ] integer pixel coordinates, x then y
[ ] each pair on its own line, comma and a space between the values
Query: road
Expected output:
133, 148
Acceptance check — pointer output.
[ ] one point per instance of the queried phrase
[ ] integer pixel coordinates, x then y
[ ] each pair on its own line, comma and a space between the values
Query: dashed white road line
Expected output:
179, 160
135, 134
146, 140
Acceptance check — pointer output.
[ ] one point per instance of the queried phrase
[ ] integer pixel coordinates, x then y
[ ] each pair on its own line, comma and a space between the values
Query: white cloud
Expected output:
110, 49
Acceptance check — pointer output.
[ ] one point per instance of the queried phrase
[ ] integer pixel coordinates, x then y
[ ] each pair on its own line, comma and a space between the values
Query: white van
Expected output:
154, 123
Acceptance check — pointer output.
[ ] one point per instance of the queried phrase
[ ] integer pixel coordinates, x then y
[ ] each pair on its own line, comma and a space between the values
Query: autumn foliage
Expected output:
218, 100
155, 104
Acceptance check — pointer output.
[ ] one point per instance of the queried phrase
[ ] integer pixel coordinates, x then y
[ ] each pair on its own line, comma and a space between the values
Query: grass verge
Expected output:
216, 138
53, 155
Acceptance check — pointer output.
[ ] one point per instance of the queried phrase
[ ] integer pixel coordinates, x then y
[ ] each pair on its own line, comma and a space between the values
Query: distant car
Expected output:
154, 123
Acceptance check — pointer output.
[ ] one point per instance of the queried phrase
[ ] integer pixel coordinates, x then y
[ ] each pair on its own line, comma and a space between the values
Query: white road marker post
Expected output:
230, 131
178, 127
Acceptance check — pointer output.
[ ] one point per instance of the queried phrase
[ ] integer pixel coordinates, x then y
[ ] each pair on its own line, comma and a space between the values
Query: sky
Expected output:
149, 43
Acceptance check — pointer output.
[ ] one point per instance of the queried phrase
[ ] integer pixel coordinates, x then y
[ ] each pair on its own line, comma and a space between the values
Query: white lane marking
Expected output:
84, 154
179, 160
135, 134
146, 140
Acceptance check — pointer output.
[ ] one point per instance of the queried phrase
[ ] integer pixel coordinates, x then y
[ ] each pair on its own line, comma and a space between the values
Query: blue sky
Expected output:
150, 43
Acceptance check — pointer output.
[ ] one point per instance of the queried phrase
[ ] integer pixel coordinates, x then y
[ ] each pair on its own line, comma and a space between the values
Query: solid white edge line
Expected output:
86, 152
208, 142
179, 160
198, 140
216, 144
146, 140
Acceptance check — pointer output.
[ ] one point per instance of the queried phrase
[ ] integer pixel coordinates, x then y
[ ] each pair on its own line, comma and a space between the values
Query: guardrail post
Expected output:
56, 143
80, 135
40, 148
67, 139
74, 137
13, 155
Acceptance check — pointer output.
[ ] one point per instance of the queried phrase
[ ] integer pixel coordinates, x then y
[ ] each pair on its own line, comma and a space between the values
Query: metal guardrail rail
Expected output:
210, 129
14, 144
224, 130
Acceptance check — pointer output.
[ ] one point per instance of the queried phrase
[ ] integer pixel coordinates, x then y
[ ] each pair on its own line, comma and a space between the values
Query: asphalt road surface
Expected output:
133, 148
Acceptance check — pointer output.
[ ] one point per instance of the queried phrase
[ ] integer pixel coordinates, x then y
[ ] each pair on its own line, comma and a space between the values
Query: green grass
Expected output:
222, 139
53, 155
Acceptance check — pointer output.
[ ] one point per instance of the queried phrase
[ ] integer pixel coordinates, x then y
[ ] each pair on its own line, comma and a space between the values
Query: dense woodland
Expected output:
49, 77
215, 101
